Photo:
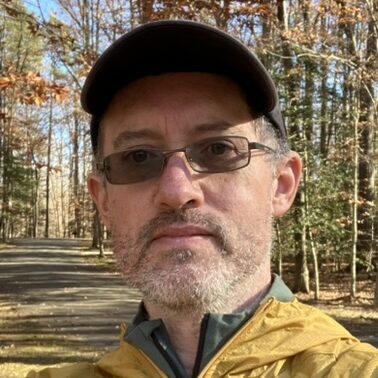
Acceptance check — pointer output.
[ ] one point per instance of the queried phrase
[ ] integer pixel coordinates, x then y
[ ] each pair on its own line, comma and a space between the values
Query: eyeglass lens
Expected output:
212, 155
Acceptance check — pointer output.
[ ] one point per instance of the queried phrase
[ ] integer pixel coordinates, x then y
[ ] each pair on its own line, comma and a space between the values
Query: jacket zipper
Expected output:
171, 363
259, 312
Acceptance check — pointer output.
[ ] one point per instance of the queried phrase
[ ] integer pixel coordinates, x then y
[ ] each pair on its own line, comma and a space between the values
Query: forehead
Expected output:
175, 103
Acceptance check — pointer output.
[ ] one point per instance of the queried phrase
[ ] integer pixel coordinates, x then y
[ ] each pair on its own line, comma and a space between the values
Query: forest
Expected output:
322, 55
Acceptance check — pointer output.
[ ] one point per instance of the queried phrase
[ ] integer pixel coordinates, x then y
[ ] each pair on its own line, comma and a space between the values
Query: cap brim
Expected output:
176, 46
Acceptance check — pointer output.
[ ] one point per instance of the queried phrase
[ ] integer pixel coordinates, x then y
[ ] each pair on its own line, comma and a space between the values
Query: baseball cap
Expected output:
178, 46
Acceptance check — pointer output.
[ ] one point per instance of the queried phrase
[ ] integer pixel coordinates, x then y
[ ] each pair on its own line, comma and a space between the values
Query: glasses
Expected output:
211, 155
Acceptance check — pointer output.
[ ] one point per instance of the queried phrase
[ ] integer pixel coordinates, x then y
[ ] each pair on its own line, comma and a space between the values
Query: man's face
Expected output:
187, 240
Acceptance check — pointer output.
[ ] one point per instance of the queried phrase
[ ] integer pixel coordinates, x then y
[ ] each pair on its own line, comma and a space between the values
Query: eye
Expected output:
219, 148
138, 156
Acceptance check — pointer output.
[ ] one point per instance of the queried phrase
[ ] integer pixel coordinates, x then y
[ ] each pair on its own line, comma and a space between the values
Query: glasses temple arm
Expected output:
259, 146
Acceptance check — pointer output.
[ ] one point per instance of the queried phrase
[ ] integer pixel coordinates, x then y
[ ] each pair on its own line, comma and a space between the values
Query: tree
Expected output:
321, 54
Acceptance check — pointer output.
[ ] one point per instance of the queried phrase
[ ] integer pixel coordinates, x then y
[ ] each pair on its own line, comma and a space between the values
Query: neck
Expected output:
184, 333
184, 326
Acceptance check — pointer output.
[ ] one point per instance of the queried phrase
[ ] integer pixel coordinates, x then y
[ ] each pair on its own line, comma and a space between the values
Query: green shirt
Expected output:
152, 337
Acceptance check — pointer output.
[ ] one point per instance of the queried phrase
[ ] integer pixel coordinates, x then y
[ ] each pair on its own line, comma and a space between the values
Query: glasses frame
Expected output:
166, 154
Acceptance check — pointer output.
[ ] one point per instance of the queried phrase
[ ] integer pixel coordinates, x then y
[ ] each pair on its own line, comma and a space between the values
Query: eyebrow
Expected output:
137, 135
212, 126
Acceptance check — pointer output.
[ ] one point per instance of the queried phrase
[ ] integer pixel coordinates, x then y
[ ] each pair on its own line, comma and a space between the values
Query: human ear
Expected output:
97, 190
287, 178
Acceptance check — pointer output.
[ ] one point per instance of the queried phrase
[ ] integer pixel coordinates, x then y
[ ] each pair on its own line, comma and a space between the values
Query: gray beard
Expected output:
187, 285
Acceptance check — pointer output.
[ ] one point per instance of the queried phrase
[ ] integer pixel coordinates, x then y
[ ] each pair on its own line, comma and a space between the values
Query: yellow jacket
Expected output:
280, 340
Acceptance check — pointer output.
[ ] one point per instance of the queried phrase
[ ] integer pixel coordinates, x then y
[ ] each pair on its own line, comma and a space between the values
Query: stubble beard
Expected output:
186, 284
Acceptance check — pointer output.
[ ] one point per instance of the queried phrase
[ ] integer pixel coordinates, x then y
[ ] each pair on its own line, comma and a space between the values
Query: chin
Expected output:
187, 286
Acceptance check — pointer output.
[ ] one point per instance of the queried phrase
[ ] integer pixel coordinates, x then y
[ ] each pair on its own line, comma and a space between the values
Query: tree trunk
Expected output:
95, 235
366, 170
100, 236
6, 206
293, 120
75, 138
302, 276
324, 135
353, 257
279, 249
36, 204
98, 240
316, 268
47, 215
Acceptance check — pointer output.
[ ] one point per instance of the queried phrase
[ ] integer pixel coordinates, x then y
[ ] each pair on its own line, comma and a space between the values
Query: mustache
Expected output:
189, 216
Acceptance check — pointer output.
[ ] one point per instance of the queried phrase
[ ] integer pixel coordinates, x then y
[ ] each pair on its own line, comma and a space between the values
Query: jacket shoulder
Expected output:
338, 358
294, 340
78, 370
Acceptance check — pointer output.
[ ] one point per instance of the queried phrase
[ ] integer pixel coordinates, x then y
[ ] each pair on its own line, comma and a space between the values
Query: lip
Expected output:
177, 232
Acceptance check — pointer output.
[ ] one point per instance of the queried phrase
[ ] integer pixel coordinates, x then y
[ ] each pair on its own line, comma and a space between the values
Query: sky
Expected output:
47, 7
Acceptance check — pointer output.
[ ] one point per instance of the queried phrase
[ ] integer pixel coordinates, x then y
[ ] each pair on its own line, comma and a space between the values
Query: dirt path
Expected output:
57, 305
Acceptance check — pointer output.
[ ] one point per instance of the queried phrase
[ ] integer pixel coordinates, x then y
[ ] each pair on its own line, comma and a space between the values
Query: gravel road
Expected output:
57, 304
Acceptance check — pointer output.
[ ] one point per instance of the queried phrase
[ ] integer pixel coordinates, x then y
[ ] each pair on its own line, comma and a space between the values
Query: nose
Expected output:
177, 188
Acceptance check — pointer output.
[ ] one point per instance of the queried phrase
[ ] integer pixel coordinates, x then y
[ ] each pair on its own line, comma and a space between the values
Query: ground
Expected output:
59, 304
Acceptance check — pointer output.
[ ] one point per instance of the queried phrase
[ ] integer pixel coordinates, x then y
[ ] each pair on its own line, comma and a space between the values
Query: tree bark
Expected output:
75, 140
353, 257
47, 215
293, 119
279, 249
366, 169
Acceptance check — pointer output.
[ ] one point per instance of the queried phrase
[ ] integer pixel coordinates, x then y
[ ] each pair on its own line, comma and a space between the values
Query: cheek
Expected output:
126, 210
241, 195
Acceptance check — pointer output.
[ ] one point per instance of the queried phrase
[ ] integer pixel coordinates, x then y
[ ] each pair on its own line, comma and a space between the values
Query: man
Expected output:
193, 165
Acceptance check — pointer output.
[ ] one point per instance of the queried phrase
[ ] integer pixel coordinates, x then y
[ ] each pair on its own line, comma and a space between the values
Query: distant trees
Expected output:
21, 89
322, 55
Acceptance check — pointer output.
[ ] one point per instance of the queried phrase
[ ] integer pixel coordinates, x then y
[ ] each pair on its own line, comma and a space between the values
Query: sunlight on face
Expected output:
187, 240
